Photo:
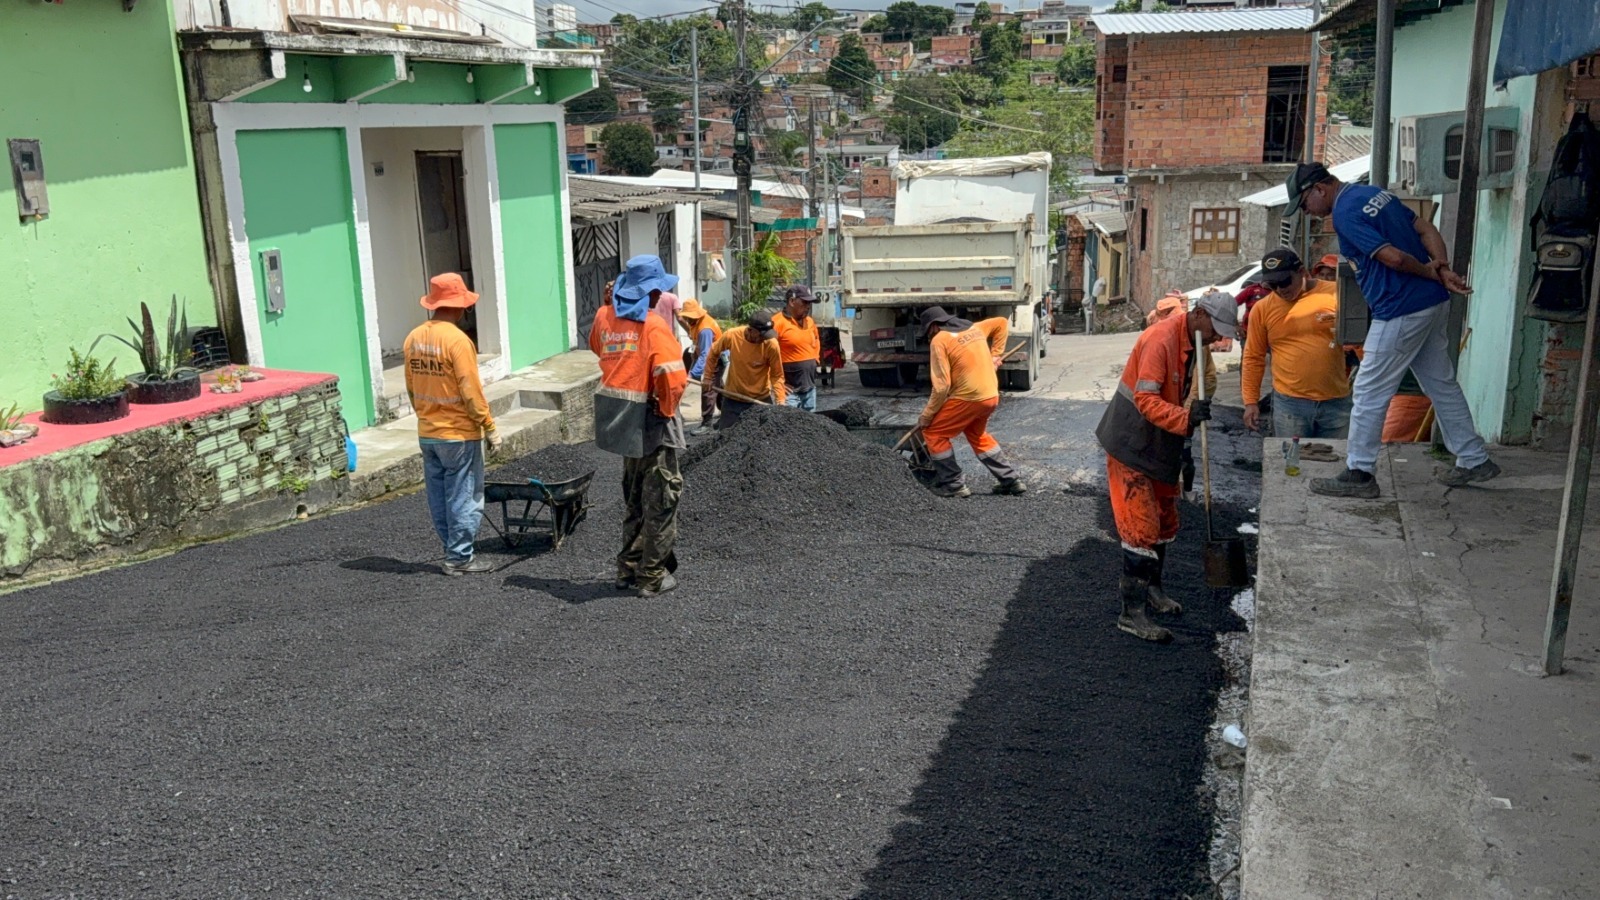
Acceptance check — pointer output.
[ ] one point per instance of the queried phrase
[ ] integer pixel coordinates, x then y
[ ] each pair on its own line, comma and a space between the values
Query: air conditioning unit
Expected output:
1428, 151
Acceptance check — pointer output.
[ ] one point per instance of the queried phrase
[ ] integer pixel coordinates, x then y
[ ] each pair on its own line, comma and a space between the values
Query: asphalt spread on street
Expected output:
860, 690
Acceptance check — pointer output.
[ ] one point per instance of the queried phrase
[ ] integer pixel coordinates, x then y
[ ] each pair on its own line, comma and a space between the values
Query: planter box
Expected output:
184, 387
59, 410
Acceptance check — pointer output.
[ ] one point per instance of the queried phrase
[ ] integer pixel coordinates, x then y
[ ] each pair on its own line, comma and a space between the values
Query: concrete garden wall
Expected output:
260, 461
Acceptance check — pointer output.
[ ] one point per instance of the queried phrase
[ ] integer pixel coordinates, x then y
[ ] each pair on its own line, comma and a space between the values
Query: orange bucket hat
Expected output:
448, 290
692, 310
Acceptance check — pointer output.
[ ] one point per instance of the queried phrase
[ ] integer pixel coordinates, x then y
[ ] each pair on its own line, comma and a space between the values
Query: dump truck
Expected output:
970, 235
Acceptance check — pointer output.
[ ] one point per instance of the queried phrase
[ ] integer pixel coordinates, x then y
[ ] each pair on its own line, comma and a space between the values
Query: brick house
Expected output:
877, 182
1193, 139
952, 51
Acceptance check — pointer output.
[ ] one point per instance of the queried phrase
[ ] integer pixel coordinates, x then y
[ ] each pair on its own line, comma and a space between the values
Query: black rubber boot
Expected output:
1160, 603
1135, 588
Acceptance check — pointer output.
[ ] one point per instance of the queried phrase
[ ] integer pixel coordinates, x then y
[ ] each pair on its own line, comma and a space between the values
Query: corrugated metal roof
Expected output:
1354, 171
1108, 222
1203, 21
725, 209
601, 198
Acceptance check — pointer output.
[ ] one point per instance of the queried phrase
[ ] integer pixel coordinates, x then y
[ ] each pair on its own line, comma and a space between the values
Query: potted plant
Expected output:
90, 392
167, 375
13, 430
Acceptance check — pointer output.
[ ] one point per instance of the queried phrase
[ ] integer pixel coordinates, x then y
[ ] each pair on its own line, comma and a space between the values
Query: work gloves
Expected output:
494, 439
1199, 411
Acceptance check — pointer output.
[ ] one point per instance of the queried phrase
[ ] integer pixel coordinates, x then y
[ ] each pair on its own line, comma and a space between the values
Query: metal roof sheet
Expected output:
1349, 172
1202, 21
601, 198
1108, 222
726, 209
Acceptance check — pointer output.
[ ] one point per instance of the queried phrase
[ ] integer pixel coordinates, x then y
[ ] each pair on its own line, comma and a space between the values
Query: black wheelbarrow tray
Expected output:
554, 505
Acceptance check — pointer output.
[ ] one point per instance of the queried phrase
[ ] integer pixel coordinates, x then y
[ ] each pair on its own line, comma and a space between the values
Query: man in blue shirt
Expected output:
1404, 271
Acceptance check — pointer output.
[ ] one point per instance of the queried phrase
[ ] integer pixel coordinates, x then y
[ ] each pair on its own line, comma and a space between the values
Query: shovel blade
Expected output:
1226, 565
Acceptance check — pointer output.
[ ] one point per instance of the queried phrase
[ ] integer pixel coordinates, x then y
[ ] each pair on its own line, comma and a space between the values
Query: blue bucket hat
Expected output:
642, 275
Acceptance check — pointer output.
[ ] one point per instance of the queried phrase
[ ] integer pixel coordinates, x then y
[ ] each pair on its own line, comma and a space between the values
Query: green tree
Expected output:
924, 113
810, 16
666, 113
1001, 47
785, 146
1133, 6
852, 70
628, 148
909, 20
1077, 64
982, 14
1033, 118
598, 105
877, 24
1350, 81
658, 50
766, 271
973, 89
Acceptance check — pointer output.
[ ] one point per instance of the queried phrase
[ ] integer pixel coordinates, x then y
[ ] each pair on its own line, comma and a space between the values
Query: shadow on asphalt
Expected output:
574, 592
1044, 786
387, 565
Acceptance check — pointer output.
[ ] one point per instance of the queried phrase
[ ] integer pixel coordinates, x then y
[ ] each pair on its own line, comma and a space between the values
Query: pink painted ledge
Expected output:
55, 438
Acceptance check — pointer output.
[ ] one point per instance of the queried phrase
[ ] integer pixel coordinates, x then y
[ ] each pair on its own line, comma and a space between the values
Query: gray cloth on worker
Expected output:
731, 411
651, 486
801, 376
947, 473
997, 466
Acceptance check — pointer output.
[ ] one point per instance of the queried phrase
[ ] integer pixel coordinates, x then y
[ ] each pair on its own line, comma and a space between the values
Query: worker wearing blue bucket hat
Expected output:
641, 281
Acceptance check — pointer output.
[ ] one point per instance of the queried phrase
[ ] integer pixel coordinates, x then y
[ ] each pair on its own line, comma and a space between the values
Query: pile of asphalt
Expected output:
904, 698
558, 462
855, 413
781, 470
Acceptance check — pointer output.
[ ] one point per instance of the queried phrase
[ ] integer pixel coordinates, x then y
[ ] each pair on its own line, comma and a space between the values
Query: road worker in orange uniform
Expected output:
642, 380
1143, 431
754, 369
962, 360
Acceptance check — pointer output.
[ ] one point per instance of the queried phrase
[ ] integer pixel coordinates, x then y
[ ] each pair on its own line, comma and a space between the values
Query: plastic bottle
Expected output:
1291, 457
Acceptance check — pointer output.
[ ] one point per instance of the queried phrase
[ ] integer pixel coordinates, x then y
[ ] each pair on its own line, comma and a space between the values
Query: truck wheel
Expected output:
1018, 379
908, 373
880, 376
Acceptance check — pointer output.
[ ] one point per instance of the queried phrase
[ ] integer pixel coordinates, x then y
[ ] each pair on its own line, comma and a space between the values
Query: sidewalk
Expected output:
1402, 743
547, 403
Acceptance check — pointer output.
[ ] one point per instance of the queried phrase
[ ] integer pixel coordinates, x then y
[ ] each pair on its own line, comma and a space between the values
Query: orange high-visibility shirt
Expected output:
962, 364
1307, 361
442, 380
755, 369
797, 341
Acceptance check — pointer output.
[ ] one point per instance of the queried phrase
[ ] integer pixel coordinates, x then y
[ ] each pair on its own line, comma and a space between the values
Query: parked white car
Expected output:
1233, 284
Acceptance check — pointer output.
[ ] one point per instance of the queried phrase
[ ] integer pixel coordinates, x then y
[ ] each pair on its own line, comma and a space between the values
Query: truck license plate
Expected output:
884, 345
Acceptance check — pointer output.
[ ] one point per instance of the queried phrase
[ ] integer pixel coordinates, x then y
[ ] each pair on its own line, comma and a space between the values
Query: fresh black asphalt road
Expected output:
842, 700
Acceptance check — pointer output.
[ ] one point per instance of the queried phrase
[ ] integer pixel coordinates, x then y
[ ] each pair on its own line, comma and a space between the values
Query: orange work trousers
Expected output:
1145, 510
968, 417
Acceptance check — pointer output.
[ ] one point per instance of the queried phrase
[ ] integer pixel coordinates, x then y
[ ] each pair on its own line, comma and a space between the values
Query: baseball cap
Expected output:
1300, 180
760, 322
1330, 260
1224, 312
1278, 267
799, 292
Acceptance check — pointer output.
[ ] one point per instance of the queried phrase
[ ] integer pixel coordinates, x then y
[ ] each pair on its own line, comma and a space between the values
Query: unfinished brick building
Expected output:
1198, 109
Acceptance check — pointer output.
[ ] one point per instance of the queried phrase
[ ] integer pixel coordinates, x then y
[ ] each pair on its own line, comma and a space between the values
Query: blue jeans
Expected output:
806, 400
1417, 342
1299, 417
452, 474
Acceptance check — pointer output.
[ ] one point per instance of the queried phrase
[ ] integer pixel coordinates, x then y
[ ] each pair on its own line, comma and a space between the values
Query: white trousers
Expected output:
1418, 342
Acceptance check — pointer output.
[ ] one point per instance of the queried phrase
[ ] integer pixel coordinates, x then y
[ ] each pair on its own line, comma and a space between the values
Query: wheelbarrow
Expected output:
554, 505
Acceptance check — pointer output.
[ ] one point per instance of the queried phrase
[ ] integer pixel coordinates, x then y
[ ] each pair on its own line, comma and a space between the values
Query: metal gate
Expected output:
664, 240
598, 249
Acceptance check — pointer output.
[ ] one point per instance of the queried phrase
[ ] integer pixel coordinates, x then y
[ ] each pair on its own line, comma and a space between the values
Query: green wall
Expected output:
1499, 365
297, 200
530, 222
100, 88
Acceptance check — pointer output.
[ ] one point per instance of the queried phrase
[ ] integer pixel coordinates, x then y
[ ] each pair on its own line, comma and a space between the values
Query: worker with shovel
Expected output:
1143, 431
642, 380
962, 360
755, 368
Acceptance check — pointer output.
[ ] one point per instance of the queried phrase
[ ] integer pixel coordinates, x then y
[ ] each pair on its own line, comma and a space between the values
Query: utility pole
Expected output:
743, 157
811, 182
1382, 91
1310, 154
694, 66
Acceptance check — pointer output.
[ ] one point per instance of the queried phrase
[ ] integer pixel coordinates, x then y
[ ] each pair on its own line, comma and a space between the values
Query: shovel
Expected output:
1225, 560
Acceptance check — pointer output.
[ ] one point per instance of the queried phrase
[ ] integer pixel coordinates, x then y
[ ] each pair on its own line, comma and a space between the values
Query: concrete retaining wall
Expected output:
239, 468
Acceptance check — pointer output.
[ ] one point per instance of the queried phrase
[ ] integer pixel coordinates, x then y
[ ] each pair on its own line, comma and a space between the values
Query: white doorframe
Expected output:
477, 123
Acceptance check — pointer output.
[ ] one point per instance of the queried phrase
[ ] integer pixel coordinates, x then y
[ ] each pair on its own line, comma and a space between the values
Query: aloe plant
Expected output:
162, 360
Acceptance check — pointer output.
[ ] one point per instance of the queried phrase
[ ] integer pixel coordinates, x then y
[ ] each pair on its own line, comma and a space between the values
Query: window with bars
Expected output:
1214, 232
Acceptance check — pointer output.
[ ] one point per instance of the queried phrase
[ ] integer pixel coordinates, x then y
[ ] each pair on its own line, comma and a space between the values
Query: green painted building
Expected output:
340, 171
99, 88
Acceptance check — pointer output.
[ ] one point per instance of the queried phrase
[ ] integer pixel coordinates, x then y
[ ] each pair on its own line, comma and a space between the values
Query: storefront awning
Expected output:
1545, 34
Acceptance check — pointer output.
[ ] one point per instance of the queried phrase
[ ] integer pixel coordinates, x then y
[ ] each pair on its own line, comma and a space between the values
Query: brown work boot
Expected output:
1135, 594
1160, 603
